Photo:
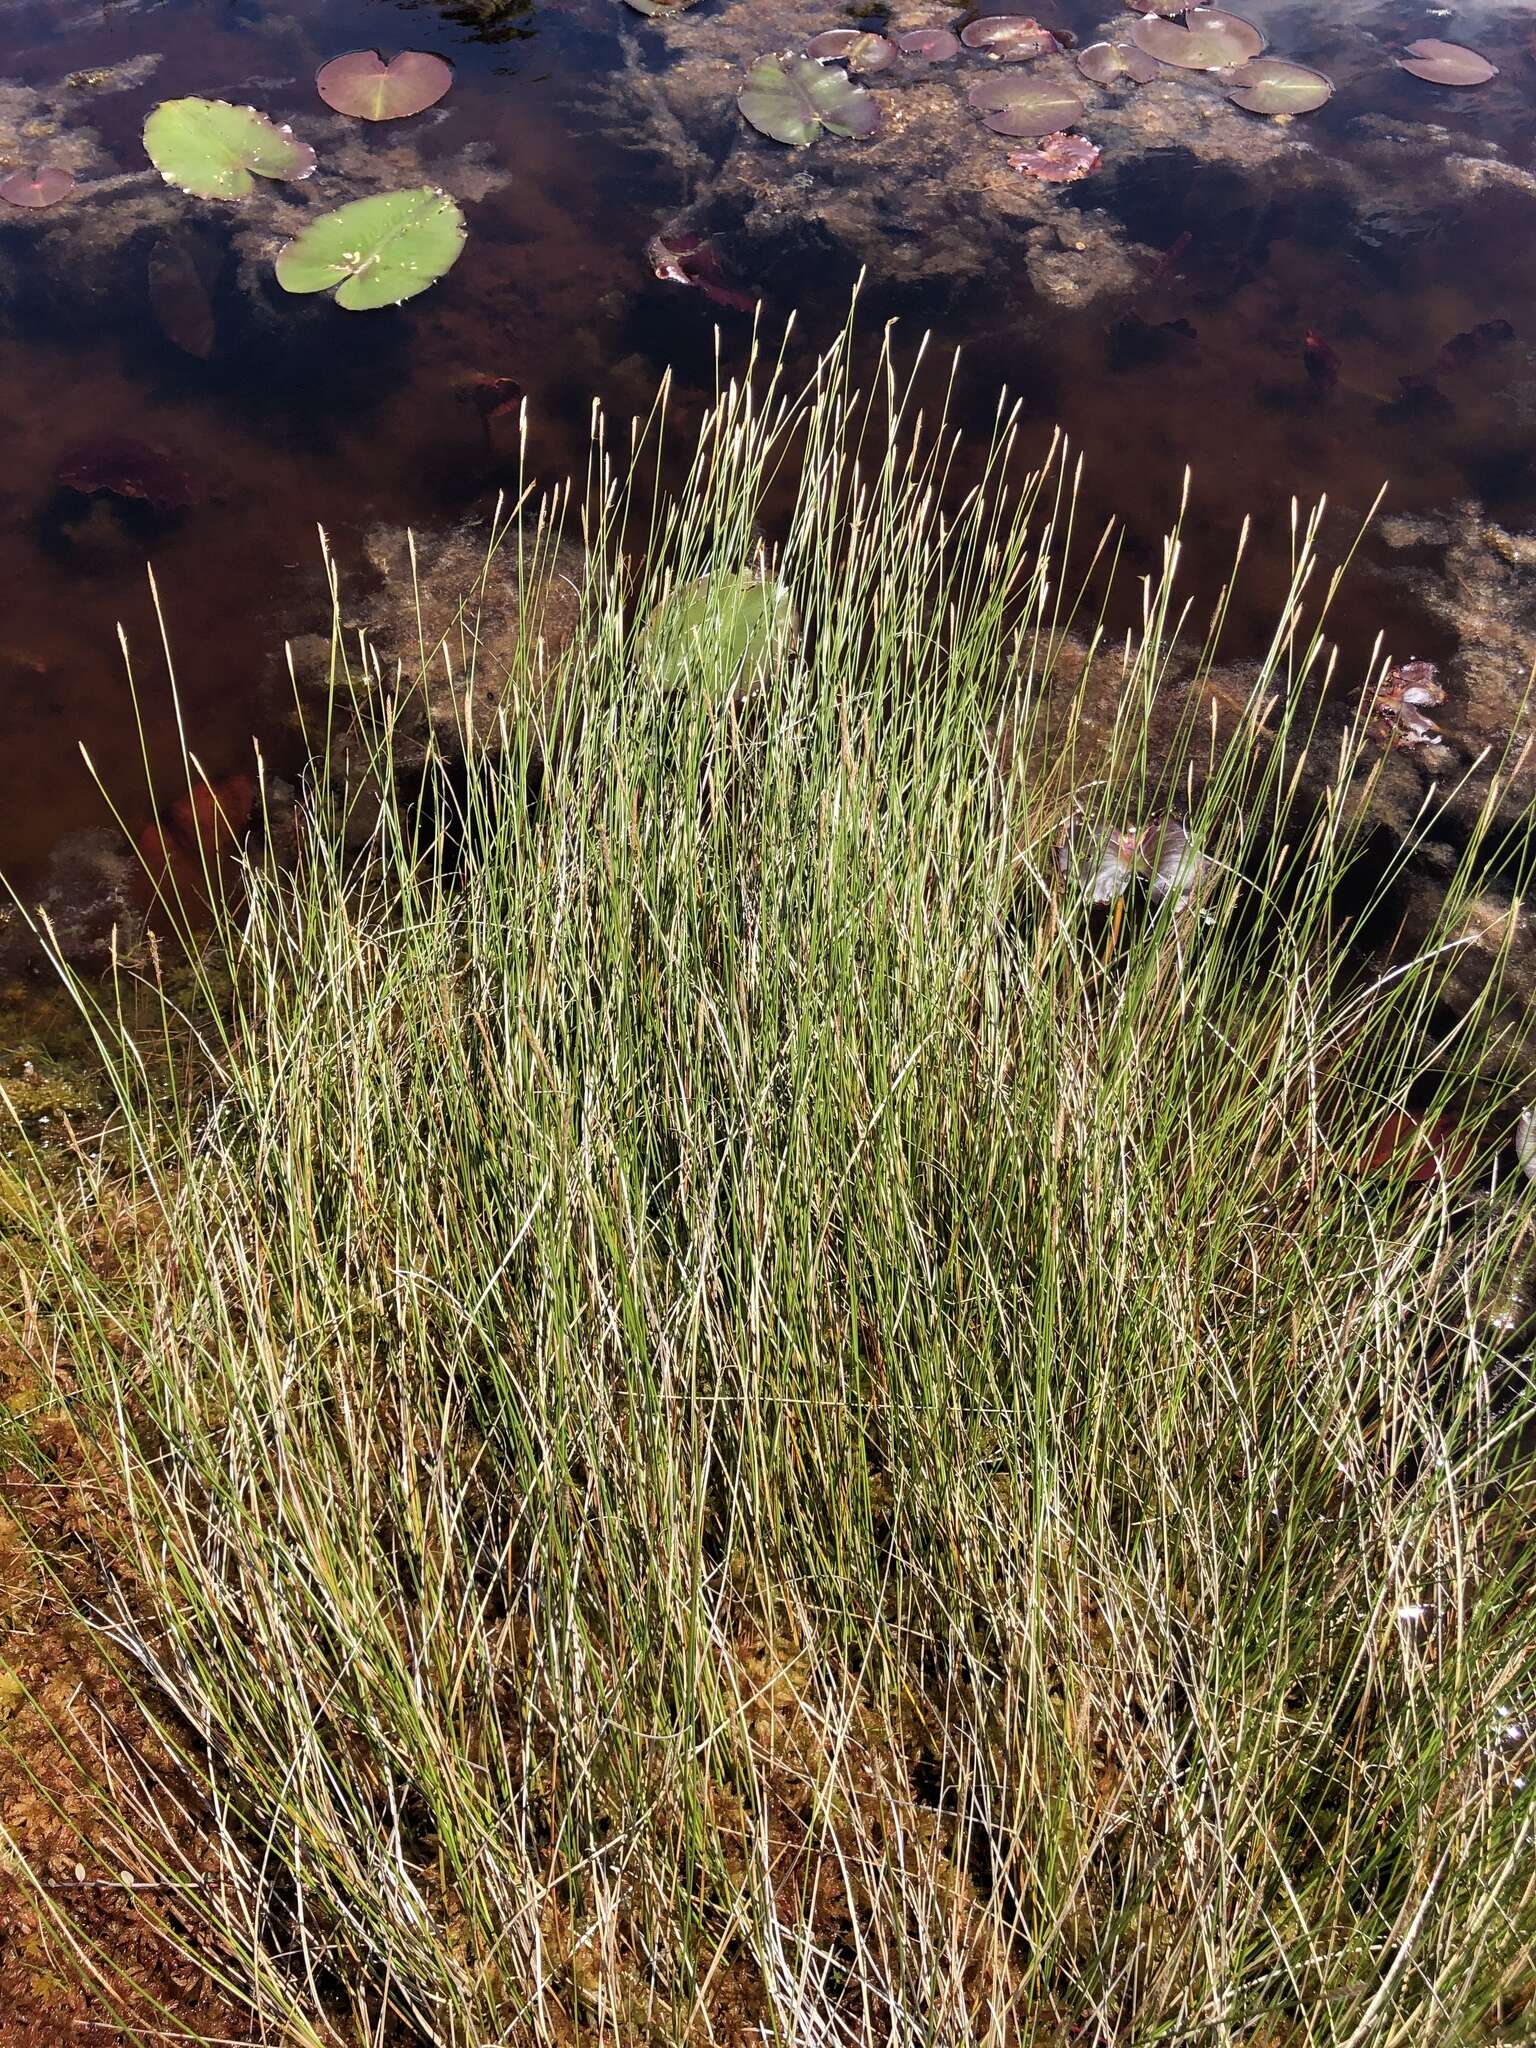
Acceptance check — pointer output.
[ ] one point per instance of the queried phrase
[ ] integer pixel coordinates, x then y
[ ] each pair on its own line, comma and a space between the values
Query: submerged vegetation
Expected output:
804, 1343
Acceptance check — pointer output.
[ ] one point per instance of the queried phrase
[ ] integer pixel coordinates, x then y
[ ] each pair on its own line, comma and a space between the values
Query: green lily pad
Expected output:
376, 252
793, 99
735, 623
1012, 105
1209, 40
217, 151
1272, 85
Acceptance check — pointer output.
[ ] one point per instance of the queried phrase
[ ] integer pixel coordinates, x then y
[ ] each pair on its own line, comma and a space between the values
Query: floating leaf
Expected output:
1017, 106
362, 84
1271, 85
1116, 63
45, 186
376, 252
1447, 63
1057, 159
217, 151
929, 45
857, 48
1171, 8
1209, 41
737, 623
792, 99
660, 6
1010, 38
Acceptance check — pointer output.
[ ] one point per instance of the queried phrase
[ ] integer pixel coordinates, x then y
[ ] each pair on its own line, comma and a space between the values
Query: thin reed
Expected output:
724, 1410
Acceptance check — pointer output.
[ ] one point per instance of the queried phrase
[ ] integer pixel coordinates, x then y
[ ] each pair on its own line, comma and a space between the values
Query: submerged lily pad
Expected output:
214, 150
859, 49
793, 99
1447, 63
1271, 85
1010, 38
1057, 159
1209, 40
1017, 106
376, 252
660, 6
929, 45
44, 186
1116, 64
739, 623
362, 84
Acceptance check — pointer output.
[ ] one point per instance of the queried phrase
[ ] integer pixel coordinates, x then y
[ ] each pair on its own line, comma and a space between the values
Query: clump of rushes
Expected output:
723, 1406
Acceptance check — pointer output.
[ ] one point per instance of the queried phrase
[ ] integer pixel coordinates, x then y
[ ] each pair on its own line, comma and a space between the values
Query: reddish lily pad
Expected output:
795, 99
1272, 85
1010, 38
1171, 8
1447, 63
1116, 64
929, 45
44, 186
859, 49
1017, 106
1209, 40
363, 85
1057, 159
1413, 1150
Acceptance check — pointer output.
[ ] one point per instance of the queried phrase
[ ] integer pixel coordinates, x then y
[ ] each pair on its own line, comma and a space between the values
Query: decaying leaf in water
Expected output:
1105, 861
117, 466
929, 45
180, 274
1398, 715
1525, 1142
363, 85
1447, 63
1480, 340
1320, 361
659, 6
1057, 159
1018, 106
859, 49
1116, 64
1272, 85
678, 257
1009, 38
1208, 41
794, 100
44, 186
1409, 1149
214, 150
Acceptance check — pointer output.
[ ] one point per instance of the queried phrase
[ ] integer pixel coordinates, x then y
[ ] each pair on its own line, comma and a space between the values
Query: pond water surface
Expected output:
1328, 304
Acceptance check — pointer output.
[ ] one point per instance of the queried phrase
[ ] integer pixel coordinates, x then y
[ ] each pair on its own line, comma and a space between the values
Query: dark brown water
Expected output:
1160, 312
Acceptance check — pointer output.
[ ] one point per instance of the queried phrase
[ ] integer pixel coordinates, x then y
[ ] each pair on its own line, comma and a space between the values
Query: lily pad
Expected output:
793, 99
44, 186
859, 49
376, 252
660, 6
1057, 159
1271, 85
1116, 64
929, 45
362, 84
1447, 63
1010, 38
739, 623
1171, 8
1209, 40
214, 150
1017, 106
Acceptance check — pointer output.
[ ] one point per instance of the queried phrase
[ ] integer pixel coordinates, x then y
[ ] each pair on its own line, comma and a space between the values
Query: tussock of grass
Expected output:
734, 1416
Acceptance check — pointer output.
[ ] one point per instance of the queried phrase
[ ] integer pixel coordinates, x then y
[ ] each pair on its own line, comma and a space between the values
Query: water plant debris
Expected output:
1057, 159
